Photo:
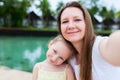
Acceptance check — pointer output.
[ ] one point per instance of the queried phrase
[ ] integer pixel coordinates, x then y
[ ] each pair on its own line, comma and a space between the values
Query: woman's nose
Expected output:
71, 25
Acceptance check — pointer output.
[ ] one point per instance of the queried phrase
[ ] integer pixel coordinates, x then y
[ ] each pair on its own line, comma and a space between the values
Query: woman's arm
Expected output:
70, 73
110, 48
35, 72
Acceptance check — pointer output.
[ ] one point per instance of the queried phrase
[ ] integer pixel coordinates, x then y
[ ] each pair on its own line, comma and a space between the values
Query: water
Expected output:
22, 52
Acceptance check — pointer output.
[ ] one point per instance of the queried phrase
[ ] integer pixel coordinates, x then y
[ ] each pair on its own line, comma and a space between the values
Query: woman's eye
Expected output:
64, 22
77, 19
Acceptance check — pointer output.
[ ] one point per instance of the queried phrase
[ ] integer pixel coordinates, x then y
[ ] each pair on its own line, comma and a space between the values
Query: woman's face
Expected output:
73, 24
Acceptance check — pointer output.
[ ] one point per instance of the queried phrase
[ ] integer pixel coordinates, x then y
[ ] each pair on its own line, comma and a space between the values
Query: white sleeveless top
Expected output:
101, 69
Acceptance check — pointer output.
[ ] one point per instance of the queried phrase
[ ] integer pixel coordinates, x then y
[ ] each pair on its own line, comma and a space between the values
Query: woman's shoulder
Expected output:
97, 50
97, 43
99, 38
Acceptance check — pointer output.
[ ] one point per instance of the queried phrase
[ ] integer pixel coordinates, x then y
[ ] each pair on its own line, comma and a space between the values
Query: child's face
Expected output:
58, 53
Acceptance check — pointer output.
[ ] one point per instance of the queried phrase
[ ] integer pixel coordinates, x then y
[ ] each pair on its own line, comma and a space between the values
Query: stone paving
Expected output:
12, 74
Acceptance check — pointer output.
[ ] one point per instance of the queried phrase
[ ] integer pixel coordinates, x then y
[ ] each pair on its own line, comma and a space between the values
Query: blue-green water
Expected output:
22, 52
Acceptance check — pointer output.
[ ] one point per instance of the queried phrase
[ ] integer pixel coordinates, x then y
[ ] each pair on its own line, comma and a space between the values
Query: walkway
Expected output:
11, 74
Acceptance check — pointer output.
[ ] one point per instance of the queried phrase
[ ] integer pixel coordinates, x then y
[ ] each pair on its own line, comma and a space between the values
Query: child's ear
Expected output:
50, 43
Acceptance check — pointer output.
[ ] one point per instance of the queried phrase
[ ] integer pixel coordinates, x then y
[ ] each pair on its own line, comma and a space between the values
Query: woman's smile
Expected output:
72, 32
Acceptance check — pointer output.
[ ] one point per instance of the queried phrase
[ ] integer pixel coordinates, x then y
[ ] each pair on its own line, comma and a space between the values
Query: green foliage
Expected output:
45, 7
93, 10
103, 32
13, 12
107, 14
118, 14
41, 29
60, 4
46, 12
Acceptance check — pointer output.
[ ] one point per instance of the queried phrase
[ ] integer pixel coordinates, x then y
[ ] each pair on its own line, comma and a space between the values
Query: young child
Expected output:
55, 66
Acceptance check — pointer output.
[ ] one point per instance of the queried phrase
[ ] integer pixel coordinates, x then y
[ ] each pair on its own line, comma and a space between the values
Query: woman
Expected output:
98, 57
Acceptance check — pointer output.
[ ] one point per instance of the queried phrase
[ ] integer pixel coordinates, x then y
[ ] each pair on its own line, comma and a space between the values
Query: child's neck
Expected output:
51, 65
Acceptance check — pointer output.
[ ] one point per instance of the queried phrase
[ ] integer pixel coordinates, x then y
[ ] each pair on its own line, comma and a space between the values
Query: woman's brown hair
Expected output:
86, 56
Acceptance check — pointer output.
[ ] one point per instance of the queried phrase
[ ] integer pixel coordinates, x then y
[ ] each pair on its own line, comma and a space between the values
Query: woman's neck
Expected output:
78, 47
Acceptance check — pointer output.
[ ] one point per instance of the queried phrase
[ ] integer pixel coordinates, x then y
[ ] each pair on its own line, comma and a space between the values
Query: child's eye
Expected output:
61, 58
54, 51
